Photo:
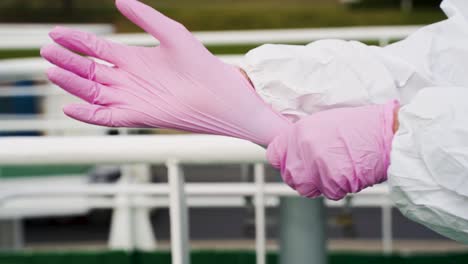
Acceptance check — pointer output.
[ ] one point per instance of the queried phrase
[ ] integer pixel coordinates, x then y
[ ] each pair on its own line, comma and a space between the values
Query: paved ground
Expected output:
402, 246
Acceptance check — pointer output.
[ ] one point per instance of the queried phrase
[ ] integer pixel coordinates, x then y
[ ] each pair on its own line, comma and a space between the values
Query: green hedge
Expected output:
220, 14
216, 257
434, 4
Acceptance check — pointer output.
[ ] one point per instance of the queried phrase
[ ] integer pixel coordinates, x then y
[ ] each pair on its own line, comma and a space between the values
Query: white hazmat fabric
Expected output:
427, 72
429, 161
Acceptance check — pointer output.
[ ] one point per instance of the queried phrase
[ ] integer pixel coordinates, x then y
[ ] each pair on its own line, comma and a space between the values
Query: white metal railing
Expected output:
383, 34
34, 68
172, 151
33, 36
169, 150
42, 29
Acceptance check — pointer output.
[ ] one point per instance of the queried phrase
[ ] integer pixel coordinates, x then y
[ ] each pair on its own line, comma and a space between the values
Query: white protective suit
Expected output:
427, 72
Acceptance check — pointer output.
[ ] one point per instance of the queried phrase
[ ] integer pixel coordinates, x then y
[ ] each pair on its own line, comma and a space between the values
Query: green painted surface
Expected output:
43, 170
218, 257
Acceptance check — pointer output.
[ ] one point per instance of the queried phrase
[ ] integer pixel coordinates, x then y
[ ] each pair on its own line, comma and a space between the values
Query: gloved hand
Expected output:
178, 84
337, 151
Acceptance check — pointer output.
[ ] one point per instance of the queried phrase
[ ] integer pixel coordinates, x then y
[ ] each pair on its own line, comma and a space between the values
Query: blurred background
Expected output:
79, 229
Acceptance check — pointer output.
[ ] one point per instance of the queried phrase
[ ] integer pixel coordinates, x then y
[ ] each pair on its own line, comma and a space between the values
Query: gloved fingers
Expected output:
150, 20
277, 149
276, 155
90, 45
308, 189
91, 92
79, 65
290, 164
91, 114
273, 155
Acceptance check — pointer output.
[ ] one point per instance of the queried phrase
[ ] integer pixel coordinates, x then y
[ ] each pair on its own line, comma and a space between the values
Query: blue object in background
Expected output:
22, 105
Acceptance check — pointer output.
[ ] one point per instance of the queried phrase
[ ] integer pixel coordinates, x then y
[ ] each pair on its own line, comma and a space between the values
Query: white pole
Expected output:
178, 213
387, 244
121, 235
260, 235
11, 231
144, 235
18, 234
303, 227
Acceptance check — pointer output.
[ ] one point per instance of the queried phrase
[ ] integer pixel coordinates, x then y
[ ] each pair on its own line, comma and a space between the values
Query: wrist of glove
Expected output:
336, 152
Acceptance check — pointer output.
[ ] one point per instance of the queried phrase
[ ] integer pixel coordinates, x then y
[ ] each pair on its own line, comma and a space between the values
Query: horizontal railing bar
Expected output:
43, 124
35, 68
236, 37
21, 29
34, 90
153, 149
29, 208
191, 189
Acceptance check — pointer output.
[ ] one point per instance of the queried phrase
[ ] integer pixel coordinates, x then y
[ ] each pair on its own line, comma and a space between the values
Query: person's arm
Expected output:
396, 123
299, 80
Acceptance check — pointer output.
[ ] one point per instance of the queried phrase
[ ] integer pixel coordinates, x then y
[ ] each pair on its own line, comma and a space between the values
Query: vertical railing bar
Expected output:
18, 233
260, 228
121, 234
143, 231
387, 243
178, 214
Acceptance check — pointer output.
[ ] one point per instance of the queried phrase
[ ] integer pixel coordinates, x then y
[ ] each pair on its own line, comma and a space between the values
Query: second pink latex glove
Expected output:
336, 152
178, 84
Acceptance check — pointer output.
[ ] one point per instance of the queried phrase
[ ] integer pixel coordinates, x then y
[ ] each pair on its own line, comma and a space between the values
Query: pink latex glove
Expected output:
336, 152
178, 84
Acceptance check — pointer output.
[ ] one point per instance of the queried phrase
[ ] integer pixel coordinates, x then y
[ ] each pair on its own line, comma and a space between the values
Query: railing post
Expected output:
302, 231
11, 237
144, 235
178, 213
387, 237
121, 234
260, 228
